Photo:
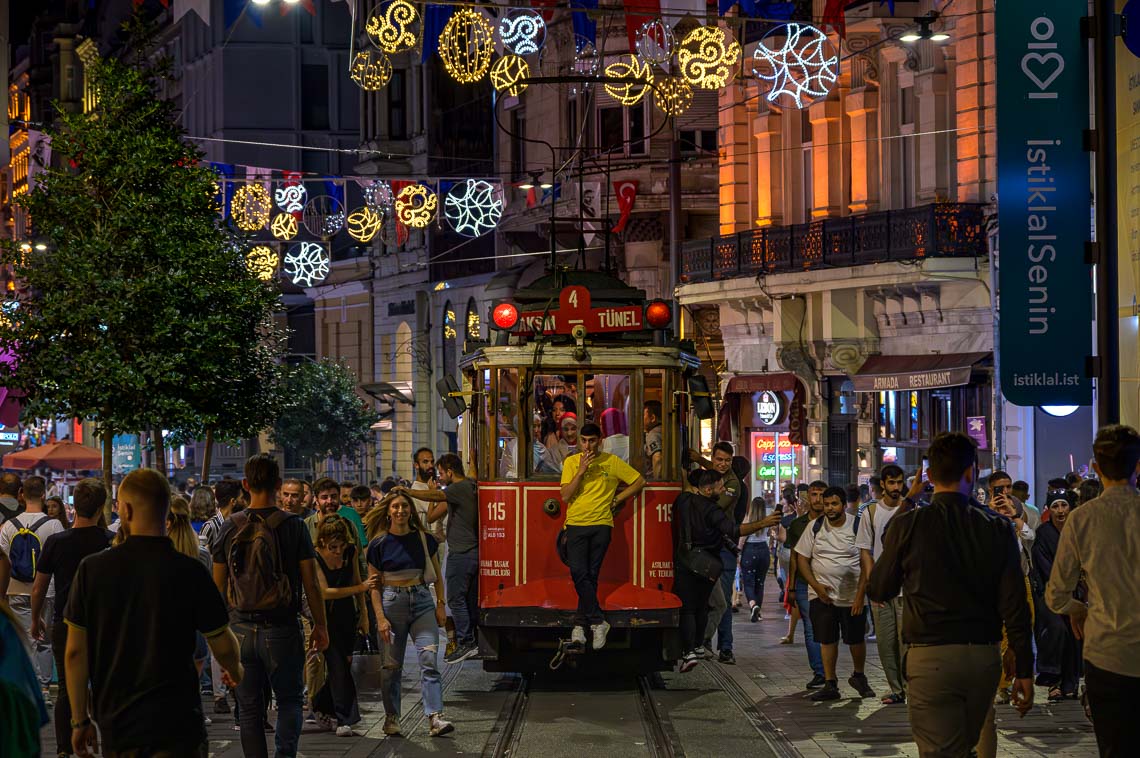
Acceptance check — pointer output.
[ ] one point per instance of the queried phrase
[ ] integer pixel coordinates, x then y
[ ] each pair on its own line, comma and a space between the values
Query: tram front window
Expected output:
556, 416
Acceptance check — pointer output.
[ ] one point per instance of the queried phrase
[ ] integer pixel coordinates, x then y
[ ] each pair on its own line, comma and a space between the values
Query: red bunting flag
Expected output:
626, 191
637, 12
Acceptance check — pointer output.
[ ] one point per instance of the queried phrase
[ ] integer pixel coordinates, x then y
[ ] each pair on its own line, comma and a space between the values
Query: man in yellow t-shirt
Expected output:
590, 482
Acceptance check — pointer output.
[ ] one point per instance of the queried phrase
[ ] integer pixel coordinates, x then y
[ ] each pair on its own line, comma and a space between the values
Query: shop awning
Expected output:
746, 385
885, 373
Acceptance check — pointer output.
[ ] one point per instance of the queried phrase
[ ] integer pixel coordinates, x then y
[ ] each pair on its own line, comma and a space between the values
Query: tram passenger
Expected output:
590, 489
542, 464
564, 445
615, 433
651, 420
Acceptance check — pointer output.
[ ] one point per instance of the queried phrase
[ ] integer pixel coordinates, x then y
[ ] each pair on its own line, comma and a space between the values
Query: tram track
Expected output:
413, 718
776, 740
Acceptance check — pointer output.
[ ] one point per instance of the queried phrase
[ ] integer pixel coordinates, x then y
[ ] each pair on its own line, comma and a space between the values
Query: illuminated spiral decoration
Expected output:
371, 70
251, 207
673, 96
473, 207
290, 198
323, 216
707, 57
416, 206
799, 62
629, 67
364, 223
262, 262
307, 264
284, 226
394, 29
509, 74
655, 41
522, 31
465, 46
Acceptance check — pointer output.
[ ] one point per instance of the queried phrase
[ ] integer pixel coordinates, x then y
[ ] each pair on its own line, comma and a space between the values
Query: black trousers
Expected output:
694, 592
338, 695
586, 549
1113, 699
1058, 651
62, 720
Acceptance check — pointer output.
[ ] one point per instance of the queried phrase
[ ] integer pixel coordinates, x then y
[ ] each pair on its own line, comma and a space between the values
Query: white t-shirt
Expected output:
422, 506
834, 559
872, 539
8, 532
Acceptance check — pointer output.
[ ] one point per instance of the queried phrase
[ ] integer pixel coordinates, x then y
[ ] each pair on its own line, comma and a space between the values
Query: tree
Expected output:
139, 311
323, 416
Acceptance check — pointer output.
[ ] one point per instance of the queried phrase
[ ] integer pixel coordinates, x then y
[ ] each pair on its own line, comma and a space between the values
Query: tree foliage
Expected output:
323, 416
140, 313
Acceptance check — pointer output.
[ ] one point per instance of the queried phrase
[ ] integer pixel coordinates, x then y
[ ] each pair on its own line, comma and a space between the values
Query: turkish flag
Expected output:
637, 12
626, 191
402, 232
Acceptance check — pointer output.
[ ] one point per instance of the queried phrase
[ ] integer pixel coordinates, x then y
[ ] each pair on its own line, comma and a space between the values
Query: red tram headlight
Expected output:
505, 316
658, 314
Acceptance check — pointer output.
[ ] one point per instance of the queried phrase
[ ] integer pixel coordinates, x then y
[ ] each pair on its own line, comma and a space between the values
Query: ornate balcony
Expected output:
941, 230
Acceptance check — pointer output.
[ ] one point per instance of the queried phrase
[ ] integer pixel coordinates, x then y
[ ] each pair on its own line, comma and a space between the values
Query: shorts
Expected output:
832, 622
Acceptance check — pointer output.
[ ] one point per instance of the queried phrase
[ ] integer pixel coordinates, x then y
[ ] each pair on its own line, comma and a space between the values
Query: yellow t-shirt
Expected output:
591, 507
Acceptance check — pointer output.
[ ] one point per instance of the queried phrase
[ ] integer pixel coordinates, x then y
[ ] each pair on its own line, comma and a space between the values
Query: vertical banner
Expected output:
1045, 287
1128, 211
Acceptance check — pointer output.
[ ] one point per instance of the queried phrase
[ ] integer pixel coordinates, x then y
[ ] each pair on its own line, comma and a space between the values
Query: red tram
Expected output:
575, 347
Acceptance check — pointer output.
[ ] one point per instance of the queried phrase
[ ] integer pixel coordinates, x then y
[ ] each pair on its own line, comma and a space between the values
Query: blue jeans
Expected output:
815, 658
411, 611
461, 579
727, 577
273, 653
753, 569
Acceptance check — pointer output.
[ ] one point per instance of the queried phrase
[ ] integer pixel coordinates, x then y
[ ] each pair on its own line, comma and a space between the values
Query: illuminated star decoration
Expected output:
396, 29
290, 198
799, 62
251, 207
509, 74
284, 226
655, 41
262, 261
371, 70
465, 46
673, 95
307, 263
473, 207
324, 216
416, 205
629, 67
364, 223
707, 57
522, 31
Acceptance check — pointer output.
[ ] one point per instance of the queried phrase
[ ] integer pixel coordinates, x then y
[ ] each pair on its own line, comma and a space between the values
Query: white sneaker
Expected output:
689, 662
207, 720
702, 653
600, 631
439, 727
344, 731
578, 636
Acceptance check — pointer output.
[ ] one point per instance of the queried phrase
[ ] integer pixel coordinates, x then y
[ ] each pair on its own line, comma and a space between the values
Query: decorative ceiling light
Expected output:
251, 207
473, 207
629, 67
364, 223
323, 216
655, 41
509, 74
284, 226
673, 95
378, 194
394, 29
262, 262
465, 46
707, 56
522, 31
799, 62
290, 198
416, 206
371, 70
307, 264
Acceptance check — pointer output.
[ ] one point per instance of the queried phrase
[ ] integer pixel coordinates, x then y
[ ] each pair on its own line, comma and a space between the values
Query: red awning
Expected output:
884, 373
749, 383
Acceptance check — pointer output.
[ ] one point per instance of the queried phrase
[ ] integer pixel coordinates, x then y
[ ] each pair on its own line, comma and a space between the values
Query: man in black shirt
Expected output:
62, 553
957, 564
132, 614
270, 638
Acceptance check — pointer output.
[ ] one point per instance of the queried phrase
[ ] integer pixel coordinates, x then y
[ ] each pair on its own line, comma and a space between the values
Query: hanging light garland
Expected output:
394, 29
586, 63
707, 57
673, 95
629, 67
307, 263
416, 206
284, 226
473, 207
799, 62
655, 41
364, 223
262, 261
251, 207
509, 74
523, 31
371, 70
465, 46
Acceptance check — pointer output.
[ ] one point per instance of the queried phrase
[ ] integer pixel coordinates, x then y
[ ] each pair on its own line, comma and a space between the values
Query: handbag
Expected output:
700, 562
430, 577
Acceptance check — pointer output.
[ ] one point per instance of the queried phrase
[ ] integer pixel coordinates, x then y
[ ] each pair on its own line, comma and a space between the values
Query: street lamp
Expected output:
924, 31
535, 181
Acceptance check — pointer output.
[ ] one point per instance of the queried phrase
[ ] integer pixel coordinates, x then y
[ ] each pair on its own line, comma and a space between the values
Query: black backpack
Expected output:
257, 578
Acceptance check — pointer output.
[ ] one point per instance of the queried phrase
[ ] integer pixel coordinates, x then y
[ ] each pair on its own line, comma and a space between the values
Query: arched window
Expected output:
450, 334
474, 325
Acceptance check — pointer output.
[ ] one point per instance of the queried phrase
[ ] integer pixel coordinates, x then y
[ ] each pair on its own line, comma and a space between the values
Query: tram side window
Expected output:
507, 423
652, 427
608, 399
554, 426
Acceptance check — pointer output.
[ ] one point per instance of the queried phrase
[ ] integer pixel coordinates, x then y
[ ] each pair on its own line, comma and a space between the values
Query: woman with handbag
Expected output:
405, 563
699, 528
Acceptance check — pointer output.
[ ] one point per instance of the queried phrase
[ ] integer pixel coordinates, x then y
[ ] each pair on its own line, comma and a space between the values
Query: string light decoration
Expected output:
673, 95
587, 63
523, 31
509, 74
799, 62
465, 46
323, 216
394, 29
416, 206
371, 70
307, 263
364, 223
474, 328
284, 226
290, 198
655, 41
707, 56
629, 67
378, 195
473, 207
262, 262
251, 207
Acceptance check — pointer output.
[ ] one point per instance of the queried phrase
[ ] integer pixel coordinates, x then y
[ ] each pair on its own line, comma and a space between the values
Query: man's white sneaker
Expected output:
439, 727
600, 631
344, 731
689, 662
578, 636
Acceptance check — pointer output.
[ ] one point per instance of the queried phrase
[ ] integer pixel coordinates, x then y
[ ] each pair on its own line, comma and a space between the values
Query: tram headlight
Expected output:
658, 314
505, 316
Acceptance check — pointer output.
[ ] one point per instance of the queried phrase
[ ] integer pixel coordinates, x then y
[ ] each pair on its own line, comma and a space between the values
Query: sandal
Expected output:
1055, 695
893, 699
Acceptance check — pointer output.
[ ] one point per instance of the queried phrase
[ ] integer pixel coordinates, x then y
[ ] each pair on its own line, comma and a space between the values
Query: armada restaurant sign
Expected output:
1044, 283
913, 380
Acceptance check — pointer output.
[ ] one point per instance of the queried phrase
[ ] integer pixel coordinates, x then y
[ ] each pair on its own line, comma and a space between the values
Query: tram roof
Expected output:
562, 357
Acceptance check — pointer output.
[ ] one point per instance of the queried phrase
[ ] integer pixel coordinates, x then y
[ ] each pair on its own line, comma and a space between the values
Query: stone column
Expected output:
735, 146
767, 130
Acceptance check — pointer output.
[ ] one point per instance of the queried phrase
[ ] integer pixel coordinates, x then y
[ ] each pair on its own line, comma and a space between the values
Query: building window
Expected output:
314, 96
398, 105
449, 340
518, 145
697, 141
622, 130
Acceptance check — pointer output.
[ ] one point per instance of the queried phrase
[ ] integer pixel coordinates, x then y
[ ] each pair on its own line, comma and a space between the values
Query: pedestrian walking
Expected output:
203, 507
1058, 649
262, 560
294, 498
755, 559
426, 478
9, 497
1100, 541
133, 612
957, 566
798, 584
20, 697
55, 508
404, 562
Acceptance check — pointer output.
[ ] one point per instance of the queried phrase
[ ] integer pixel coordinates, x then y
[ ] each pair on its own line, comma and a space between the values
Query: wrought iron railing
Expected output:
941, 230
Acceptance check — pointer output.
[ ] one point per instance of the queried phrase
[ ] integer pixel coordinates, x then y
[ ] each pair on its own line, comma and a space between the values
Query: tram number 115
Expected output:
496, 511
664, 512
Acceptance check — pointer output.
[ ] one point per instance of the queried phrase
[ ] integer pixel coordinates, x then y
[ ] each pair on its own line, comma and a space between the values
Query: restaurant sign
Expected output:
912, 380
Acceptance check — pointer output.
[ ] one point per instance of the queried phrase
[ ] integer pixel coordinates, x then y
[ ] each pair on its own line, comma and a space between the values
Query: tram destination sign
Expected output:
574, 309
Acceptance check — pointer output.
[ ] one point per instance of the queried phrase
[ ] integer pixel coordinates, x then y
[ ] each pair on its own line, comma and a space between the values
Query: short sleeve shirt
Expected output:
462, 516
795, 529
8, 533
834, 559
591, 507
870, 535
62, 554
653, 446
732, 489
400, 552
